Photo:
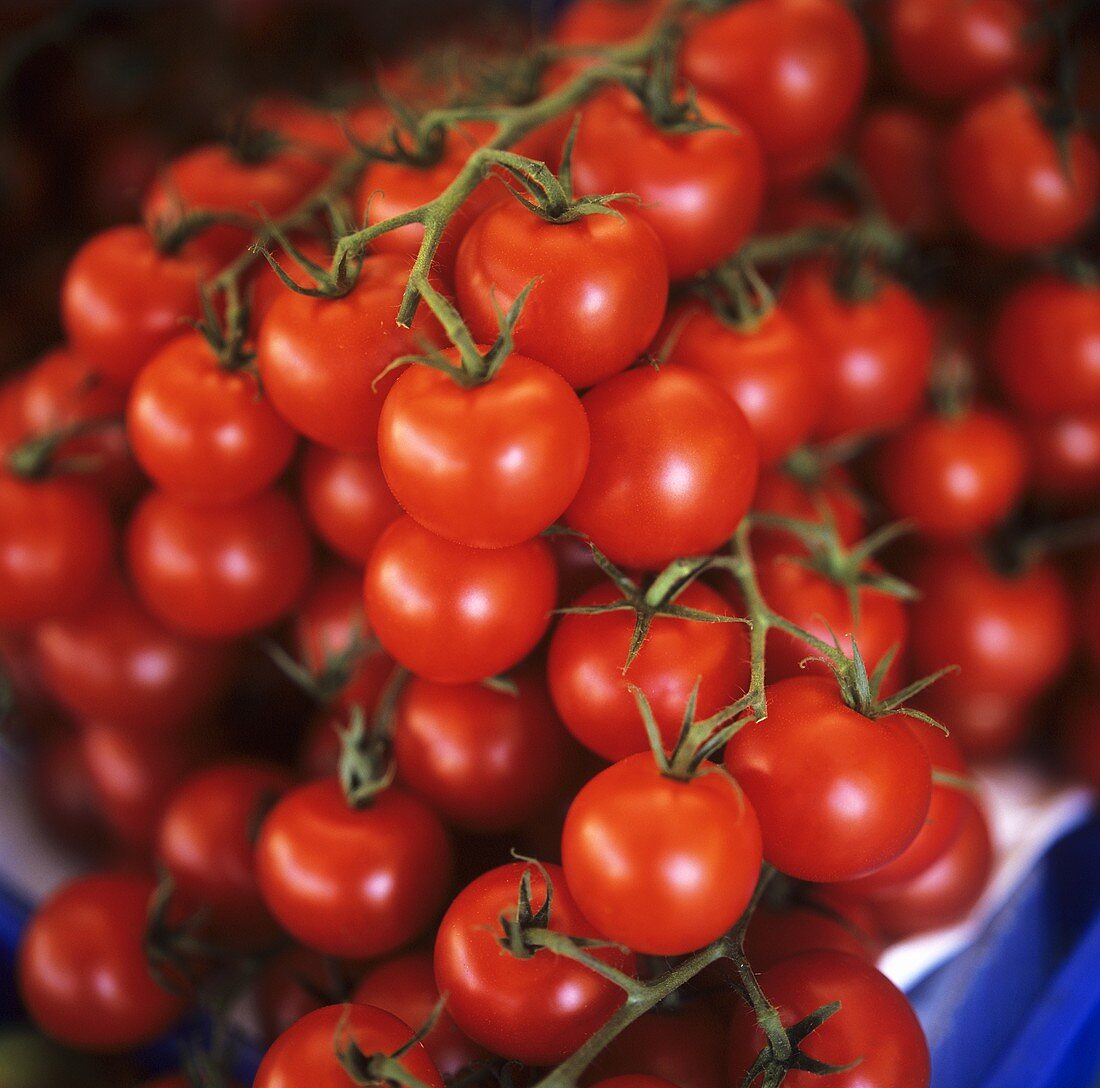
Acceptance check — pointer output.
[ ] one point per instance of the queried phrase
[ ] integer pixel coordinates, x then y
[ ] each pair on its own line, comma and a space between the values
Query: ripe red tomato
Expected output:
456, 614
701, 192
658, 864
793, 69
607, 270
777, 933
592, 694
875, 353
536, 1010
218, 571
122, 300
671, 470
783, 494
488, 466
319, 358
838, 795
986, 724
308, 1051
1065, 456
352, 882
875, 1024
1006, 179
82, 969
598, 22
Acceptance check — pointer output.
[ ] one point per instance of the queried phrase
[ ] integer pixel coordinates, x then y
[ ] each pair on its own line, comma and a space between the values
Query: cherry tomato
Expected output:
599, 22
777, 933
834, 494
671, 470
82, 969
537, 1009
488, 466
455, 614
986, 724
838, 795
1065, 456
352, 882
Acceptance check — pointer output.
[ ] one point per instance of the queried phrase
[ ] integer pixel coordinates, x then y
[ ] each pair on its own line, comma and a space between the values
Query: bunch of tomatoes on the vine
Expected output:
507, 580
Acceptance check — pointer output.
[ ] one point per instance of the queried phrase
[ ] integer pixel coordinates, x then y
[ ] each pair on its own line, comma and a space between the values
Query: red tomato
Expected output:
875, 1024
777, 933
456, 614
204, 434
986, 724
592, 694
319, 358
293, 983
784, 495
347, 500
608, 271
793, 69
302, 124
661, 865
218, 572
671, 470
600, 22
82, 969
1065, 456
266, 287
308, 1051
538, 1009
352, 882
63, 797
838, 795
875, 353
122, 300
488, 466
1006, 179
701, 192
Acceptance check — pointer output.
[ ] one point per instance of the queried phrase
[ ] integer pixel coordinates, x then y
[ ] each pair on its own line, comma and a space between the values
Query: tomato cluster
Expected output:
536, 499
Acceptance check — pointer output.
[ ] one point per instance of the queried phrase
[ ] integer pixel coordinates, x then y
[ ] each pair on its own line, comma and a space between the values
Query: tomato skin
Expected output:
486, 467
986, 724
838, 795
661, 865
455, 614
217, 572
780, 493
610, 268
306, 1052
1065, 455
875, 353
352, 882
319, 358
293, 983
82, 969
701, 192
122, 301
793, 69
600, 22
875, 1022
769, 372
203, 433
1045, 347
592, 695
1006, 181
671, 470
536, 1010
954, 477
777, 934
265, 285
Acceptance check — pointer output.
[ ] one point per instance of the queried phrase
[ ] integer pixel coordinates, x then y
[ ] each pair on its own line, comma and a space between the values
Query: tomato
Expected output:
1006, 179
592, 694
488, 466
302, 124
352, 882
1065, 455
455, 614
116, 662
405, 986
671, 470
265, 286
122, 300
793, 69
951, 52
347, 500
608, 270
218, 572
956, 475
875, 1024
785, 495
986, 724
661, 865
701, 192
63, 798
308, 1051
777, 933
205, 844
599, 22
838, 795
537, 1009
485, 760
1045, 347
875, 353
319, 359
204, 434
82, 969
293, 983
